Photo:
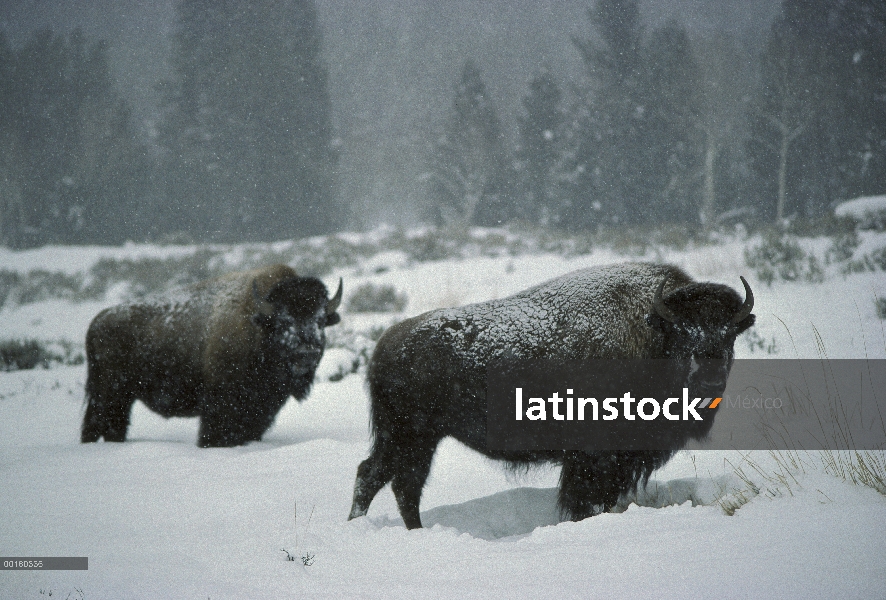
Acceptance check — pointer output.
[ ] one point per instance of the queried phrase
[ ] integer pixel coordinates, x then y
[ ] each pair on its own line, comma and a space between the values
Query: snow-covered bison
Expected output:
230, 350
427, 376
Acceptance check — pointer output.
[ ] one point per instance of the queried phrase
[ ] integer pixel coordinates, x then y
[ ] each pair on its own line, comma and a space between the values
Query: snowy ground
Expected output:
160, 518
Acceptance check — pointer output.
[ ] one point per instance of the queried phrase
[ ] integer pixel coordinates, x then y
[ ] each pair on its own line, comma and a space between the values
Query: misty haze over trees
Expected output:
246, 133
262, 125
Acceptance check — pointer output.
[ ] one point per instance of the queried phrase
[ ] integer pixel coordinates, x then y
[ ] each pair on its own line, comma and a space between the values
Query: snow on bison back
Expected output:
427, 376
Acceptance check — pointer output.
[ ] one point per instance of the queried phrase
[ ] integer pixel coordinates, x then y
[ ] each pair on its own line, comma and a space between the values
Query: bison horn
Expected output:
658, 304
264, 307
333, 303
748, 305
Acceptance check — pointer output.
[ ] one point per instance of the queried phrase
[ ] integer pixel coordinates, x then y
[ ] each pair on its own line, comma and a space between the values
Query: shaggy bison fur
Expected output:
427, 376
229, 350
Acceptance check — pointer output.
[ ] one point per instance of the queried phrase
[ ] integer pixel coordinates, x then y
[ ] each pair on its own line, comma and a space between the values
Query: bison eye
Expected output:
659, 324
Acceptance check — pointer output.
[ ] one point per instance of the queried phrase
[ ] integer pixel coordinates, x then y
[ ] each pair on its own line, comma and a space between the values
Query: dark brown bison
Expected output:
427, 376
229, 350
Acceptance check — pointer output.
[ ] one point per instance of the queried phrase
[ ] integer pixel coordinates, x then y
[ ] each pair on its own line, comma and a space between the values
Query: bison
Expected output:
229, 350
427, 375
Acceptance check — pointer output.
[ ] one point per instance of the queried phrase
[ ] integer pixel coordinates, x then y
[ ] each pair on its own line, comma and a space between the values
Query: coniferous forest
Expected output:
255, 134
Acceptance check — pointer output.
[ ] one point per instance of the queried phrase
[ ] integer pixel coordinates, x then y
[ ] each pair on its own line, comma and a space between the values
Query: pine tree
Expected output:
111, 165
858, 163
818, 125
782, 112
72, 169
726, 71
607, 167
672, 131
540, 151
248, 129
12, 209
468, 167
41, 135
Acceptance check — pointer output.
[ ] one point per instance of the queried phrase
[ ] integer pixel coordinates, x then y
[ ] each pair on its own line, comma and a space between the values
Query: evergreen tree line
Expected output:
247, 135
71, 167
244, 148
663, 131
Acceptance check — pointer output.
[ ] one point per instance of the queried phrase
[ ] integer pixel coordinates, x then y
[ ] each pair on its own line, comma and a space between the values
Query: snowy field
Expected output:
159, 518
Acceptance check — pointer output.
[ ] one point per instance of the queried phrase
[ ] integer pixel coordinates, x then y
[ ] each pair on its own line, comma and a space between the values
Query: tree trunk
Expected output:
708, 197
787, 137
782, 177
472, 201
12, 214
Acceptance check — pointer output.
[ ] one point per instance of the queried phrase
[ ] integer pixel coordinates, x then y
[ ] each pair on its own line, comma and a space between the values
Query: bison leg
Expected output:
257, 423
237, 414
221, 430
589, 484
224, 418
406, 468
373, 474
414, 465
107, 416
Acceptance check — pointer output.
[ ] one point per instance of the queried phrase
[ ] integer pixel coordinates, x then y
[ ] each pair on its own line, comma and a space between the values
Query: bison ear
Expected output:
333, 319
745, 324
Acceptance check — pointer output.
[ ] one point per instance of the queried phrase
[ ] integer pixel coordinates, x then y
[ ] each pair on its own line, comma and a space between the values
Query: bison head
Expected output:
294, 314
699, 323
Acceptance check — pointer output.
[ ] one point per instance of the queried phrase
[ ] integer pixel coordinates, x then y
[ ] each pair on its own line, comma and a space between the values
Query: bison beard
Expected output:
229, 350
427, 376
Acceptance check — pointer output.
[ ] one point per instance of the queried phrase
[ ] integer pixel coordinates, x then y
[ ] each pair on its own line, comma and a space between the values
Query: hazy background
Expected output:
393, 66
